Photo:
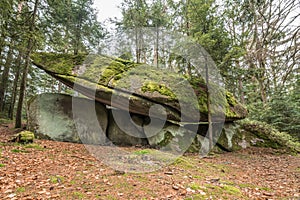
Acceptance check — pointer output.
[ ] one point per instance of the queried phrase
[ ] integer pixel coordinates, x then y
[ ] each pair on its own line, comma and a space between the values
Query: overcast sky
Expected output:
107, 9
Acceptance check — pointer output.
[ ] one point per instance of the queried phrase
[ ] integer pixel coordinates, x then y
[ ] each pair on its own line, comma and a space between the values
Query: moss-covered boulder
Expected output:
246, 133
139, 85
24, 137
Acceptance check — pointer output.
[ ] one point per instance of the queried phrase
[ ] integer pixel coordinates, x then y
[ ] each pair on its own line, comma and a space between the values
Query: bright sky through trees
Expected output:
108, 9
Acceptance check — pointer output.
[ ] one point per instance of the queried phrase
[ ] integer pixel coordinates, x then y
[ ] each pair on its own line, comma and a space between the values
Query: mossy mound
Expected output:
24, 137
270, 136
140, 84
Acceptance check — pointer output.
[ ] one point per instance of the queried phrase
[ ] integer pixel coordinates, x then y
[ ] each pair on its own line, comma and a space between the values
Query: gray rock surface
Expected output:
51, 117
125, 130
71, 119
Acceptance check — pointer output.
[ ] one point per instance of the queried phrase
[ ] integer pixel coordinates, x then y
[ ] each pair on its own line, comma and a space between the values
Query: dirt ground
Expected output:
56, 170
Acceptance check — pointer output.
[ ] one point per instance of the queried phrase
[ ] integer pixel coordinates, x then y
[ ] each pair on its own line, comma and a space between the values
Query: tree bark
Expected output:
5, 74
30, 45
15, 87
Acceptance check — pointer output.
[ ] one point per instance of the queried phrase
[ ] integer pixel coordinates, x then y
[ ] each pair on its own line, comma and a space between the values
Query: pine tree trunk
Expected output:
5, 74
156, 55
2, 39
241, 91
30, 45
15, 87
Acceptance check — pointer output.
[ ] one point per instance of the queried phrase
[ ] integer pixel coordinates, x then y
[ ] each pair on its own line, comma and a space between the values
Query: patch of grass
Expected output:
2, 165
124, 186
19, 151
142, 152
34, 146
223, 191
66, 152
5, 121
232, 190
266, 189
78, 195
184, 163
56, 179
110, 197
195, 186
246, 185
200, 177
196, 197
20, 190
141, 178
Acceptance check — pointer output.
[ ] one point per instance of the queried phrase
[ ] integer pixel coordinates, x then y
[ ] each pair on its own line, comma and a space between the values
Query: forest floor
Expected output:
56, 170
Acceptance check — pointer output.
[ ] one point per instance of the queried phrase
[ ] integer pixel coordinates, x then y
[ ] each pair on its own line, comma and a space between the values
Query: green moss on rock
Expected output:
58, 63
163, 86
24, 137
160, 88
272, 138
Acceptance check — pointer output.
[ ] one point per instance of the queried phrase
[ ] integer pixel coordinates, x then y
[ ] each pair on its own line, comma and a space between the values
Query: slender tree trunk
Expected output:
30, 45
263, 94
2, 39
137, 50
5, 74
15, 86
241, 91
210, 125
156, 55
240, 84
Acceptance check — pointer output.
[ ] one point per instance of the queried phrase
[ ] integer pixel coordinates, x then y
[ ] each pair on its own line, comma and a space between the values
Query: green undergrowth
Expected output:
143, 152
34, 146
23, 148
19, 151
5, 121
271, 136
